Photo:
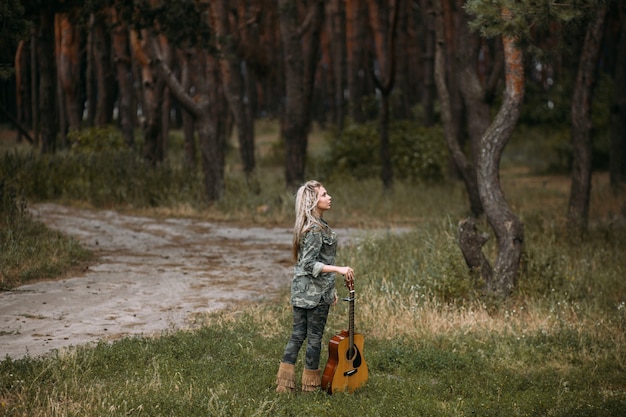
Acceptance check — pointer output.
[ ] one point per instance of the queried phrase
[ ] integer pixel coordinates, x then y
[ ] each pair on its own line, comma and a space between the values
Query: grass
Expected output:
433, 346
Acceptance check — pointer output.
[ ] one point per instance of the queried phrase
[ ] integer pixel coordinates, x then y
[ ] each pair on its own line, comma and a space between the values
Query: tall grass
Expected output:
433, 345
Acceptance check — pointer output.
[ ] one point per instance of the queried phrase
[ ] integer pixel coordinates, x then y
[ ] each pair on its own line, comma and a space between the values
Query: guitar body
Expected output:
346, 368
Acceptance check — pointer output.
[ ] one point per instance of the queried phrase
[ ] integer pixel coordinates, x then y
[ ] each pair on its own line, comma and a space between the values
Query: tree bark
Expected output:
105, 82
207, 106
338, 53
580, 191
463, 164
34, 85
231, 66
508, 229
22, 89
476, 107
355, 55
471, 243
617, 161
69, 66
383, 22
47, 81
124, 73
152, 88
300, 25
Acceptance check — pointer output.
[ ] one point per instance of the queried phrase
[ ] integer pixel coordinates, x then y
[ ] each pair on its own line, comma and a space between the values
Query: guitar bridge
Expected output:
350, 372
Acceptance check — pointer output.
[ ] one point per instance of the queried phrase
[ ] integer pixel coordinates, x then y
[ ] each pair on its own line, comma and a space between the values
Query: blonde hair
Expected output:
307, 214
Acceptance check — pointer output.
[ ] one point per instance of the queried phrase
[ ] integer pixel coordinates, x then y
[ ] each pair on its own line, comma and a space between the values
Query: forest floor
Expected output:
150, 275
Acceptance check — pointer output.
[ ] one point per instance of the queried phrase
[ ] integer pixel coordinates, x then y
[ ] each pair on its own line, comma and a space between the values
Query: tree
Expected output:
47, 79
472, 92
69, 67
226, 22
383, 23
507, 227
120, 41
617, 162
300, 25
356, 41
580, 193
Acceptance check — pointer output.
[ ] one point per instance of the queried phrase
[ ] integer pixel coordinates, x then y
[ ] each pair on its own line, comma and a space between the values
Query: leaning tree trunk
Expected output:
477, 109
462, 162
508, 229
207, 106
578, 210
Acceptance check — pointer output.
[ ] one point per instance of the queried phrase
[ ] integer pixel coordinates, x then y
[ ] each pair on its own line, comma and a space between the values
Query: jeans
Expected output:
307, 324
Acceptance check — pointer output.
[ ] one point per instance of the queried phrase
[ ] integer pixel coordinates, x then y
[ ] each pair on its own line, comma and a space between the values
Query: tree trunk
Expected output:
124, 72
47, 81
356, 59
105, 82
617, 161
300, 39
477, 109
338, 53
429, 88
463, 164
207, 106
152, 88
231, 66
456, 104
508, 229
22, 88
401, 103
578, 209
383, 22
187, 116
91, 77
69, 67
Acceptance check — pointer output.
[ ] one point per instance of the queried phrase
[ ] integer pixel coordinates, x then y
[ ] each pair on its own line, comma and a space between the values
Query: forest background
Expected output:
150, 104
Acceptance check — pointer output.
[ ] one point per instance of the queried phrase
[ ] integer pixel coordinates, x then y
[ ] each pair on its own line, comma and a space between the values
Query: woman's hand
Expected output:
346, 271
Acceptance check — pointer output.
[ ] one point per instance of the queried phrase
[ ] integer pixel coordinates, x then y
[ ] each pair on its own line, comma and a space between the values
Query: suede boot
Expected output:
286, 378
311, 380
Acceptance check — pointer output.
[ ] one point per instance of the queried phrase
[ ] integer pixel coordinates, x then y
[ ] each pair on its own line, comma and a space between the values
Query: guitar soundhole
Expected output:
354, 356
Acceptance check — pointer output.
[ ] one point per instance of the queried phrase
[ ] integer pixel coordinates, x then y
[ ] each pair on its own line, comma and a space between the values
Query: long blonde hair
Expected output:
307, 214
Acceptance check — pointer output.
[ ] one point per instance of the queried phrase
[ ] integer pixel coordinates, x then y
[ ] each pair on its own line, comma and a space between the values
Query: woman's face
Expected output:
324, 200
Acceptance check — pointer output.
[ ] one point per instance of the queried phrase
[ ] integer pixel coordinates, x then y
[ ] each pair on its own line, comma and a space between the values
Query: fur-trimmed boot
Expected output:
311, 380
286, 378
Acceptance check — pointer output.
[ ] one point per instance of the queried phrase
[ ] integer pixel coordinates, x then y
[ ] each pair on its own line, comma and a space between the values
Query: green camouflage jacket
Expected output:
310, 285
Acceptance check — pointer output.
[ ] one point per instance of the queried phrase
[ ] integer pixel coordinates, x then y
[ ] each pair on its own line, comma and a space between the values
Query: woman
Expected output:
313, 286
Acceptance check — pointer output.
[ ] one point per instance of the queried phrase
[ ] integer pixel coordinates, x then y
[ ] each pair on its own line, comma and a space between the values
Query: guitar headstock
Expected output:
349, 283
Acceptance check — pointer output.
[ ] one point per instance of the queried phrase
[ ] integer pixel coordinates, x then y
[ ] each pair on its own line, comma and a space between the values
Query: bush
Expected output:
418, 154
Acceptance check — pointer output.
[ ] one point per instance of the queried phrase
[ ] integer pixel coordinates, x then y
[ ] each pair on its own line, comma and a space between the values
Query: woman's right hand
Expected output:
346, 271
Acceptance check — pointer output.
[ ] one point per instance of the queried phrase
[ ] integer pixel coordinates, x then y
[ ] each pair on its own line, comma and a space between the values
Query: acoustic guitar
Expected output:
346, 369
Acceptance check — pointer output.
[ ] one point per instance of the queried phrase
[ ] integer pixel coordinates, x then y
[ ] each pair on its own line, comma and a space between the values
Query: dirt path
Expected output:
151, 276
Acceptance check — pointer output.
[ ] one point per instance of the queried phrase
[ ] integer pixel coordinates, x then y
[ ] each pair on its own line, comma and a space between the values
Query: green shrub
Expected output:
96, 139
418, 154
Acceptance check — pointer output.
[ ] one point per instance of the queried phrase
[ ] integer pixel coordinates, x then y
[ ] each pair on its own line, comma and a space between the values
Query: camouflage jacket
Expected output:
310, 285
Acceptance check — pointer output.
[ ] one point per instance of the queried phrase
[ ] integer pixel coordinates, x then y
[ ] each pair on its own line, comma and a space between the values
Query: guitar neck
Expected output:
351, 320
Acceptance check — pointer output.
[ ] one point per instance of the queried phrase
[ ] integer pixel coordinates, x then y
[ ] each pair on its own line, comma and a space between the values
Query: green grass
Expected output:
434, 347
